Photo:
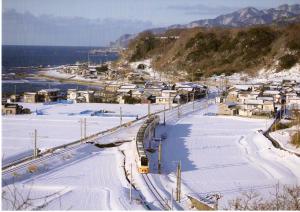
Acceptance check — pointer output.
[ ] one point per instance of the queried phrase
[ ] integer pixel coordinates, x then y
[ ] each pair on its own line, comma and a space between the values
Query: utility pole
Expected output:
169, 101
148, 108
164, 115
178, 188
178, 111
120, 116
159, 158
35, 151
81, 133
130, 194
193, 100
84, 127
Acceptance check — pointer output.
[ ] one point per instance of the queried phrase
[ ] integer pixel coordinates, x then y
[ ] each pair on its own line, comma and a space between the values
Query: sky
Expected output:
134, 15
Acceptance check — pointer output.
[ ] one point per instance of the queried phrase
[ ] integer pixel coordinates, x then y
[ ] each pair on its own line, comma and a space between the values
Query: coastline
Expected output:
43, 75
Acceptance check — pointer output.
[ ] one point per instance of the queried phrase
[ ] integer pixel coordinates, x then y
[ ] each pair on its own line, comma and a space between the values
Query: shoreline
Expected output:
63, 80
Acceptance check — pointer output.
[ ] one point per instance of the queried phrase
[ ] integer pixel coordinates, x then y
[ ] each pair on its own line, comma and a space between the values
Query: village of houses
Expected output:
245, 100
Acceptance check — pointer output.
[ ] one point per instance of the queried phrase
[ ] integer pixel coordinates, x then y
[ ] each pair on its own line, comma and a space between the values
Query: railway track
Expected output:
163, 202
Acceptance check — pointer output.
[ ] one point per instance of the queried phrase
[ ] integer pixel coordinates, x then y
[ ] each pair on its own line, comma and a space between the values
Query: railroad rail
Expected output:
163, 202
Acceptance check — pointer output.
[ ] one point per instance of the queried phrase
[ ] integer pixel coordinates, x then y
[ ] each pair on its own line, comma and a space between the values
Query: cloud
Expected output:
27, 29
200, 9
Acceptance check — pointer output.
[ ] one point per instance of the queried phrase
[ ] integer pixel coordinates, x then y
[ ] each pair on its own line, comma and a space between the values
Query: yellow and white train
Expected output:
145, 133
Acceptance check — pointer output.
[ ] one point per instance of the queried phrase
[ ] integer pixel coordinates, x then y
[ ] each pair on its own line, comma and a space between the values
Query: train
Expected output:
145, 133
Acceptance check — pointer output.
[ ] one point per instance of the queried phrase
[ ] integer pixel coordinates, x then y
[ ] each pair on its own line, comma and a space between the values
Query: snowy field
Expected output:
222, 155
60, 124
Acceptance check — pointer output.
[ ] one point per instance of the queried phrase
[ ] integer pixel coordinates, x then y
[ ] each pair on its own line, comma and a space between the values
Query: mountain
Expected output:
196, 52
246, 17
241, 18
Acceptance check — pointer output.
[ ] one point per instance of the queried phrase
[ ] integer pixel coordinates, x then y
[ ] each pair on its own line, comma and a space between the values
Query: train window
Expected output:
144, 161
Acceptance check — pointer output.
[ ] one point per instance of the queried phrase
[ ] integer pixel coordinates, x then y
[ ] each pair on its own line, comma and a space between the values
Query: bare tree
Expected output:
15, 199
287, 198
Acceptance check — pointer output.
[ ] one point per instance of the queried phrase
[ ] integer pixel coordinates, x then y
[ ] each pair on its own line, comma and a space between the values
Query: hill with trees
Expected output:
202, 52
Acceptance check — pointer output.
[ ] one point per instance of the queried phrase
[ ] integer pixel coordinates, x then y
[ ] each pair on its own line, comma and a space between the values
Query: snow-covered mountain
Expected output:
241, 18
246, 17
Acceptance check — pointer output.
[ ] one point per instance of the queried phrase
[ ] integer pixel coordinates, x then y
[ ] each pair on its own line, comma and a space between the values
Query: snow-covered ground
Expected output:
155, 75
265, 75
284, 137
223, 155
88, 178
60, 75
60, 124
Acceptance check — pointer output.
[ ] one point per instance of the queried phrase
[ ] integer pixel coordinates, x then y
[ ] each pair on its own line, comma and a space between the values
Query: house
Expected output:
49, 95
113, 86
15, 98
30, 97
232, 95
153, 91
257, 107
243, 96
72, 94
137, 93
125, 89
80, 96
85, 96
11, 109
166, 97
227, 108
275, 94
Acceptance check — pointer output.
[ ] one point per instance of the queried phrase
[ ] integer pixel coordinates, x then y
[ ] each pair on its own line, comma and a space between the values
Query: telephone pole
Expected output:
84, 127
193, 100
120, 116
81, 133
164, 115
148, 108
35, 151
178, 188
159, 158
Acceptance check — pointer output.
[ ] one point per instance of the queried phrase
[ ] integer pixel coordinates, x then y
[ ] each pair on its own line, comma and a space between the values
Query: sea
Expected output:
25, 60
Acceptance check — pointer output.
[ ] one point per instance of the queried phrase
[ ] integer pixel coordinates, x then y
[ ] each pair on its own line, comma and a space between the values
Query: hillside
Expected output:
199, 52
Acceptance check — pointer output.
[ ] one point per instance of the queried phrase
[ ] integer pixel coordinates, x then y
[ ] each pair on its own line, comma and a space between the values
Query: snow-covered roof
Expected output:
50, 90
265, 98
128, 86
30, 93
254, 102
271, 92
242, 86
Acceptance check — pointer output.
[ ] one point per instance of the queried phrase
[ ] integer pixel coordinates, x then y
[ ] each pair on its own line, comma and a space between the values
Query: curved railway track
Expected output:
163, 202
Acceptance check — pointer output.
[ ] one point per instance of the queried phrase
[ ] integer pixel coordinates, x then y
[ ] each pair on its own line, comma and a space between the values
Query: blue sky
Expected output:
98, 22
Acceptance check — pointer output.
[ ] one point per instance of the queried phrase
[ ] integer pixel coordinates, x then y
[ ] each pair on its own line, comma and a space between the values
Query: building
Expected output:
49, 95
80, 96
167, 97
227, 109
113, 86
11, 109
30, 97
125, 89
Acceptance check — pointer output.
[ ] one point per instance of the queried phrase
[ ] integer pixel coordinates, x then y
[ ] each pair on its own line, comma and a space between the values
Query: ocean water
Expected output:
25, 59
